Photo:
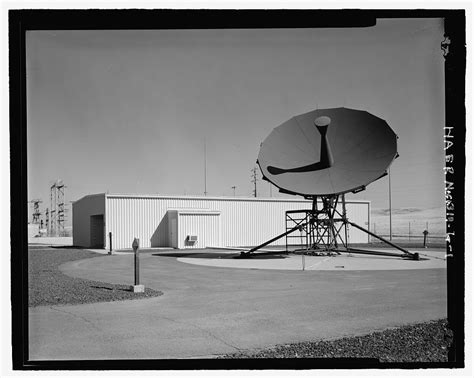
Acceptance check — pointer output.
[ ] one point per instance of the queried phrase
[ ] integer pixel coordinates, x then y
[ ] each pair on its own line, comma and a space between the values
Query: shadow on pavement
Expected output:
217, 255
48, 246
67, 247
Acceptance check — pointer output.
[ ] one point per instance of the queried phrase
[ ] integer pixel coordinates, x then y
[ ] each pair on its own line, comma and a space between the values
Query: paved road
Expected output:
208, 311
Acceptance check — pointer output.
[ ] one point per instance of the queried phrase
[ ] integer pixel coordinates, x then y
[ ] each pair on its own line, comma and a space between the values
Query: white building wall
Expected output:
205, 226
82, 210
244, 221
358, 213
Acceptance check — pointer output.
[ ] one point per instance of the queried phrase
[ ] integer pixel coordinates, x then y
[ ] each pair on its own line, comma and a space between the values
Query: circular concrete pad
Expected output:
430, 259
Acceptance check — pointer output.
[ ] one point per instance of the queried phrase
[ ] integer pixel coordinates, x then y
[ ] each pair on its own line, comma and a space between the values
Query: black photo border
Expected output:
454, 48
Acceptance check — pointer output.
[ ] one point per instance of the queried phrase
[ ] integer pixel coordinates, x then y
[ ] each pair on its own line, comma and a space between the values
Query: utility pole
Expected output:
254, 180
52, 213
233, 187
205, 170
48, 225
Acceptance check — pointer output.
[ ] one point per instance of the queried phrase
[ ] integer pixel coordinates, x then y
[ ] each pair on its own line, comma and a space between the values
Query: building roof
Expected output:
209, 198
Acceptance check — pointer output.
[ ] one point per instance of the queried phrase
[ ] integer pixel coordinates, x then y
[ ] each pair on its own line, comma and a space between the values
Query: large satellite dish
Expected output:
322, 155
328, 151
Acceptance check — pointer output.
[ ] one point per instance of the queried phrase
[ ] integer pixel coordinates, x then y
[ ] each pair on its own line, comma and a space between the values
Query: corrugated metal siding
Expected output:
205, 226
248, 223
244, 222
359, 214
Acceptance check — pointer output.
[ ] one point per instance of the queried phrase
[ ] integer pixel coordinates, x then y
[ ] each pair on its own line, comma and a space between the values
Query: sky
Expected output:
130, 111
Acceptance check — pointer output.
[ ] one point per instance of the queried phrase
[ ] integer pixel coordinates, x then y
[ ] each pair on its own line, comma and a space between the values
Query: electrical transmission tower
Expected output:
36, 210
254, 180
47, 221
56, 213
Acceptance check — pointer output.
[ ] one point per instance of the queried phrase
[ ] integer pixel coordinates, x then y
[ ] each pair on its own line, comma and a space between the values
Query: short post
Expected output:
137, 263
137, 288
425, 234
110, 243
302, 260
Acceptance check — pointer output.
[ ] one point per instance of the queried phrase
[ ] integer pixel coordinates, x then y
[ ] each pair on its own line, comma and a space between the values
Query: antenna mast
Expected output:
205, 169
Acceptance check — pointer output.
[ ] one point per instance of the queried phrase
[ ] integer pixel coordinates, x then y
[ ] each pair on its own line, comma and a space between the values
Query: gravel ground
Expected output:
47, 285
424, 342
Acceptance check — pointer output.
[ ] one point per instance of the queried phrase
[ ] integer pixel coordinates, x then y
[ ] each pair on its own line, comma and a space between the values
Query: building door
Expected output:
173, 233
97, 231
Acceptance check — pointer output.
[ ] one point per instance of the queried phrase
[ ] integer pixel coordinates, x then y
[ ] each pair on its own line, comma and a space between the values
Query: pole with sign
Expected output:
137, 288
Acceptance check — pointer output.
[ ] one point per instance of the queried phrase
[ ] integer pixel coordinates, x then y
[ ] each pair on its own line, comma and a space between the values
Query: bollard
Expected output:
137, 266
137, 288
110, 243
425, 234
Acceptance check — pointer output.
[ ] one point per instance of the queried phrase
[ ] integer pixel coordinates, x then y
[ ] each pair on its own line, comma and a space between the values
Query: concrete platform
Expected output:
212, 310
430, 259
48, 241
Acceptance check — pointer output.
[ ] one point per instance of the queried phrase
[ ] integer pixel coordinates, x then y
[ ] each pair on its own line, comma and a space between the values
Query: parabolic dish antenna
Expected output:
322, 155
328, 151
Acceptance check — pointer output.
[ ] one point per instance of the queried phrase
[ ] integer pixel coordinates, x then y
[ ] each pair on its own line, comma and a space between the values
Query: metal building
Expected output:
191, 222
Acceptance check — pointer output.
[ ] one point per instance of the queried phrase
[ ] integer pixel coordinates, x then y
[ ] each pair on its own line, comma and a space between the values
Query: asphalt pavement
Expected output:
209, 310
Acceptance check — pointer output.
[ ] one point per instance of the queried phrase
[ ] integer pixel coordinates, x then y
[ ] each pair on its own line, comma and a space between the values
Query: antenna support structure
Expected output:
323, 230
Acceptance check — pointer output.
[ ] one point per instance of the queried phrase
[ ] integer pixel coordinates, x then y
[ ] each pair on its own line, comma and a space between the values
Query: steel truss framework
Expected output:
324, 230
56, 214
36, 210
